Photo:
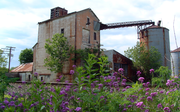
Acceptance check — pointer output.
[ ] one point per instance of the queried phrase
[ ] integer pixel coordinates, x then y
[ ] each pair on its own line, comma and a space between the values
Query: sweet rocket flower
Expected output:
23, 82
161, 91
147, 93
102, 97
159, 105
141, 79
154, 94
138, 73
115, 73
35, 74
88, 76
3, 107
118, 78
151, 70
176, 77
121, 70
139, 104
19, 86
78, 109
129, 106
124, 109
127, 87
166, 108
147, 89
100, 86
6, 102
71, 72
124, 80
123, 90
149, 98
57, 80
74, 66
20, 105
147, 110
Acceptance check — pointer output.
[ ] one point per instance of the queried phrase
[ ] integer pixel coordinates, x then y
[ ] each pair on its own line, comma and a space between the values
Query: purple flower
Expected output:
74, 66
147, 110
149, 98
124, 109
57, 80
119, 78
139, 104
127, 87
100, 86
3, 107
115, 73
6, 102
71, 72
35, 74
124, 80
78, 109
166, 108
88, 76
147, 89
121, 70
129, 106
176, 77
147, 93
159, 105
23, 82
141, 79
153, 94
151, 70
102, 97
20, 105
138, 73
19, 86
161, 91
123, 90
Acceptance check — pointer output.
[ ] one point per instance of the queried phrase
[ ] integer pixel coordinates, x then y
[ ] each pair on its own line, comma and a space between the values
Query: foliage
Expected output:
164, 74
83, 53
4, 83
26, 56
144, 59
59, 52
3, 59
89, 94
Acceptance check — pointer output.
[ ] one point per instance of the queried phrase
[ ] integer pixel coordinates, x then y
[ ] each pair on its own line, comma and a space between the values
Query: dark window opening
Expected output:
62, 30
94, 35
41, 78
89, 39
88, 21
29, 77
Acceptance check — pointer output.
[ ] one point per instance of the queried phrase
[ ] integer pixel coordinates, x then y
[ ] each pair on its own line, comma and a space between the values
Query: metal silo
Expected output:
175, 62
159, 38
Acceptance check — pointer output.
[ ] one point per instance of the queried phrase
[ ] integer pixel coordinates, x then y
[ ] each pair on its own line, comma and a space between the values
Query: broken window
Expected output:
88, 21
94, 35
41, 78
62, 31
29, 77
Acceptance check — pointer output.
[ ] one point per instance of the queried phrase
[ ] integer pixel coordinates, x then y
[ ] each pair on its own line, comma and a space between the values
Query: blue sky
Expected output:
19, 18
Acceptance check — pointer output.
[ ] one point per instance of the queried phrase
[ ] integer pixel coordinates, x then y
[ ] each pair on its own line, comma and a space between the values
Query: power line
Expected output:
8, 51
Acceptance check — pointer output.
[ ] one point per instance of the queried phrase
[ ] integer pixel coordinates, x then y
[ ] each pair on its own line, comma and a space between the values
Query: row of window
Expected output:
62, 32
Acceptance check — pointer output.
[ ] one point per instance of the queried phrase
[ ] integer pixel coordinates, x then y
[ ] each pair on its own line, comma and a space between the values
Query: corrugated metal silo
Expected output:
175, 61
159, 38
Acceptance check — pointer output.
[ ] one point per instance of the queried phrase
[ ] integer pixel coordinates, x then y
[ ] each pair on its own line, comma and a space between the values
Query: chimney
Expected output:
58, 12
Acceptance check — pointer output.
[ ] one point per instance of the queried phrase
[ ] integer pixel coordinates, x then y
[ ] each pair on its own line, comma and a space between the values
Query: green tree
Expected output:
3, 59
144, 59
26, 56
59, 51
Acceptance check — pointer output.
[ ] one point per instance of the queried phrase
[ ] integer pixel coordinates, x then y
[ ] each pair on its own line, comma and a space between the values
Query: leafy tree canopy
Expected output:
144, 59
26, 56
59, 51
3, 59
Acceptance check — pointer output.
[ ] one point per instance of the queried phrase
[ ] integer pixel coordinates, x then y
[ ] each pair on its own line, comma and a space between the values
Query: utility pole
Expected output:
8, 51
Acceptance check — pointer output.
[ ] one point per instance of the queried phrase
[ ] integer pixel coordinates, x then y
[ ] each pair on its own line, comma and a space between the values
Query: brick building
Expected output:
81, 29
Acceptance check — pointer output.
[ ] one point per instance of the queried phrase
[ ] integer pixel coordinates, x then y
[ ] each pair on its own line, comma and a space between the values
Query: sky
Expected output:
19, 20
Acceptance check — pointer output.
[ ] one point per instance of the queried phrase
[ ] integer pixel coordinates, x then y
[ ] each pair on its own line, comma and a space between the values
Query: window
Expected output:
41, 78
94, 35
88, 21
62, 30
29, 77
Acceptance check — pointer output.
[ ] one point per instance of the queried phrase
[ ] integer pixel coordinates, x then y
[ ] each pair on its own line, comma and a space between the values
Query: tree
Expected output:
3, 59
26, 56
59, 52
144, 59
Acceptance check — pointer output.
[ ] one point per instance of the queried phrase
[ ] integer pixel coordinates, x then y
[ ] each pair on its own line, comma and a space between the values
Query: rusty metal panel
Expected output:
27, 67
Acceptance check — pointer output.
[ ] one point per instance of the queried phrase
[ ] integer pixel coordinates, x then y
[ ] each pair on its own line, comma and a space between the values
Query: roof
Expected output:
68, 15
176, 50
26, 67
155, 26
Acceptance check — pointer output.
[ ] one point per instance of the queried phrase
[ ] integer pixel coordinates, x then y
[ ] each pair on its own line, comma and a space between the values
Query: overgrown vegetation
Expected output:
90, 94
144, 59
59, 52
